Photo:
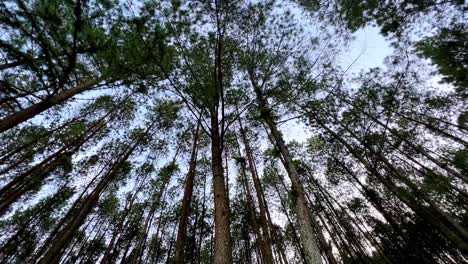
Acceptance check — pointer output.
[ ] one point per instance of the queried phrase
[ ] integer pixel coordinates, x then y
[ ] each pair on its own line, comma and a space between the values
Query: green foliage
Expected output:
166, 113
315, 144
356, 14
167, 171
357, 205
463, 120
460, 160
76, 129
240, 161
379, 172
66, 162
105, 102
292, 199
125, 168
436, 182
448, 50
109, 206
393, 17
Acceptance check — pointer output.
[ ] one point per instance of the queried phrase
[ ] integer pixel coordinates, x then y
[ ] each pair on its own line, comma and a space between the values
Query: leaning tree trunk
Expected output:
187, 199
266, 236
63, 237
34, 177
414, 199
301, 208
252, 215
119, 227
35, 109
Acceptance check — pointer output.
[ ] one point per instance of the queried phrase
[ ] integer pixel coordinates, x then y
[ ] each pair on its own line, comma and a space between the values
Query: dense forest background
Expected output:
166, 131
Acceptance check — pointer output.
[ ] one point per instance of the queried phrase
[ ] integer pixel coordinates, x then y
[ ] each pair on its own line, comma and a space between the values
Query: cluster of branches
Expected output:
163, 132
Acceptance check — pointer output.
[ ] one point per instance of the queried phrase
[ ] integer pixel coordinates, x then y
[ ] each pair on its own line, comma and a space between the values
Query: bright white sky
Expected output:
373, 46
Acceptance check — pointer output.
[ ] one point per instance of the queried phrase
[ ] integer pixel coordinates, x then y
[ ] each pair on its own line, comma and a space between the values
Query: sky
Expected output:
367, 50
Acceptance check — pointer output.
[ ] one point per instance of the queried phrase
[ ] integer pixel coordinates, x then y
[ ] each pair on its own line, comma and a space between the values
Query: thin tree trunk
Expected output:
35, 176
202, 231
327, 196
301, 207
9, 153
171, 244
62, 238
417, 148
290, 222
120, 226
327, 249
186, 201
253, 217
442, 218
266, 236
439, 219
149, 218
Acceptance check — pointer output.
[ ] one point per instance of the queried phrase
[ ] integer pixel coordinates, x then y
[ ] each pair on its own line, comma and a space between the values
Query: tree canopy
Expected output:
222, 131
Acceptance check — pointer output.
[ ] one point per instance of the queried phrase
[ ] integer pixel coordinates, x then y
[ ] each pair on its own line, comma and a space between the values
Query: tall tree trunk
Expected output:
417, 148
14, 191
285, 211
327, 249
64, 235
108, 253
186, 201
202, 219
223, 243
252, 214
34, 177
5, 156
155, 202
442, 218
434, 215
222, 236
353, 220
301, 207
51, 203
171, 244
417, 121
266, 236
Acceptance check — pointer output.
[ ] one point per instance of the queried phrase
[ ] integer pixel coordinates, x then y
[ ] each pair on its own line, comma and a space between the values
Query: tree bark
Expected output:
35, 109
301, 207
186, 201
64, 235
25, 182
282, 200
446, 225
108, 253
223, 243
266, 236
252, 214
